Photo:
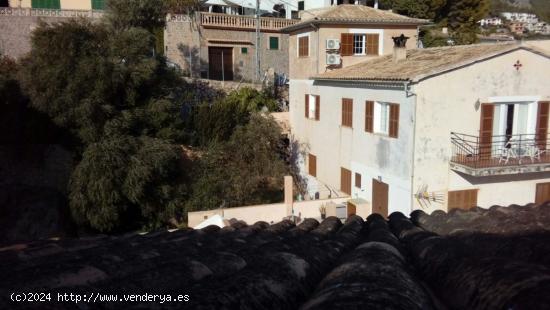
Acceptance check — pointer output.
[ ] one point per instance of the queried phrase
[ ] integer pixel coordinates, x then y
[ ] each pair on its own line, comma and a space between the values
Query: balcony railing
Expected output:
226, 21
503, 151
49, 12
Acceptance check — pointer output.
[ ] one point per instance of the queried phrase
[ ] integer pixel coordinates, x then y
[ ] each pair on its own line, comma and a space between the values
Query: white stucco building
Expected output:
451, 127
527, 18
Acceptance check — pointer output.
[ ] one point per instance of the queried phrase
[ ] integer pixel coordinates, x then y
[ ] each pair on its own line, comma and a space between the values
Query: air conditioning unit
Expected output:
333, 44
333, 59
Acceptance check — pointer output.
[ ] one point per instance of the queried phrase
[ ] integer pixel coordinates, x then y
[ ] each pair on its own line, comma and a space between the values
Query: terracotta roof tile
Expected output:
478, 259
419, 63
353, 14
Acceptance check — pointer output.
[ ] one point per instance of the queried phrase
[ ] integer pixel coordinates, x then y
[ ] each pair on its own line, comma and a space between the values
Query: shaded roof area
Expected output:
353, 14
372, 264
421, 63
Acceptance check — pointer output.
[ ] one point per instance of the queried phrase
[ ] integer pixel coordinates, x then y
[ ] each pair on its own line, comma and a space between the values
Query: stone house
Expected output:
223, 46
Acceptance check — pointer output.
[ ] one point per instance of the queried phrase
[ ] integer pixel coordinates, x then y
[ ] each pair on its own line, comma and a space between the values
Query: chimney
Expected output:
289, 195
376, 4
400, 48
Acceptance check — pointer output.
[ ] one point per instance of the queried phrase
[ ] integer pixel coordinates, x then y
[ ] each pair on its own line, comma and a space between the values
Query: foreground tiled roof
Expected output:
372, 264
353, 14
421, 63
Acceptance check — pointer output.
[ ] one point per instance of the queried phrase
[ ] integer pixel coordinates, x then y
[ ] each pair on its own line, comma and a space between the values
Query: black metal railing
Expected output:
506, 150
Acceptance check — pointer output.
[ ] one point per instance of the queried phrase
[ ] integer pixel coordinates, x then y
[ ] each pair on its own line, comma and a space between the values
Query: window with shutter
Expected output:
98, 4
347, 112
542, 125
307, 106
486, 130
372, 41
317, 107
463, 200
46, 4
394, 121
369, 116
303, 46
346, 44
273, 43
345, 181
312, 165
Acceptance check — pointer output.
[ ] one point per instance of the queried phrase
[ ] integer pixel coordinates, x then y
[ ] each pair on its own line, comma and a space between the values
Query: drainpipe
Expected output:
318, 49
408, 93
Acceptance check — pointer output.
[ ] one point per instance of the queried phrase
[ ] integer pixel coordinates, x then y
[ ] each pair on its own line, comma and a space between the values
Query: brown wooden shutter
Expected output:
303, 46
346, 44
369, 116
486, 130
463, 200
317, 107
543, 193
312, 161
307, 106
371, 43
542, 125
394, 121
347, 112
345, 181
357, 180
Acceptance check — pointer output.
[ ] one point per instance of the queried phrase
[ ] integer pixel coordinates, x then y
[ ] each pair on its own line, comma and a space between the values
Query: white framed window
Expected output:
359, 44
382, 118
313, 104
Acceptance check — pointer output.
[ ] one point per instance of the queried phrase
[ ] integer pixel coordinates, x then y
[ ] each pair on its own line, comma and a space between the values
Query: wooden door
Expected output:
220, 63
543, 193
486, 130
345, 181
464, 200
380, 197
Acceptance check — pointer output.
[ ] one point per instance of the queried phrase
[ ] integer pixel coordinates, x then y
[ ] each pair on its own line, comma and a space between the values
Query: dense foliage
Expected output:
246, 169
105, 84
214, 122
460, 16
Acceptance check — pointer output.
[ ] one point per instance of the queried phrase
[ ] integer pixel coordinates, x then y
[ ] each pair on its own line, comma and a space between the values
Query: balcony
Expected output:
241, 22
509, 154
7, 11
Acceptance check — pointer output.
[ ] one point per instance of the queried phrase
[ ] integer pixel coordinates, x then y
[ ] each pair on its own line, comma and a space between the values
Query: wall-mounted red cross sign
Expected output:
518, 65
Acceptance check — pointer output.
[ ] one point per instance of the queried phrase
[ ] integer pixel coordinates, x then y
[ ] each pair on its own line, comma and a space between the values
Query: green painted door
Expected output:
46, 4
98, 4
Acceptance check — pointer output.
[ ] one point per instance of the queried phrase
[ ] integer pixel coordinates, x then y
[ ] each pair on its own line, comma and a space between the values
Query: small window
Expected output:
312, 165
359, 44
347, 112
273, 43
463, 200
301, 5
98, 4
46, 4
345, 180
358, 180
313, 107
386, 119
303, 46
244, 50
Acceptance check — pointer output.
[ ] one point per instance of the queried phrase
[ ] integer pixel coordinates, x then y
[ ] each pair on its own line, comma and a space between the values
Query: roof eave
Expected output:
308, 23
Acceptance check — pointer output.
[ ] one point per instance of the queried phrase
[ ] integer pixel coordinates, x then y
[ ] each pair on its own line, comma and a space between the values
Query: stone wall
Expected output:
187, 42
18, 24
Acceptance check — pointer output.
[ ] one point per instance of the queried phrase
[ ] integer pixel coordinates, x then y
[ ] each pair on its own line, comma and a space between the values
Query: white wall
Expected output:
447, 103
372, 155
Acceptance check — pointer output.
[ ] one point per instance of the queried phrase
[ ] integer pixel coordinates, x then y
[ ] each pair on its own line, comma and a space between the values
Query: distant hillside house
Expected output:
439, 128
59, 4
528, 18
517, 28
491, 21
